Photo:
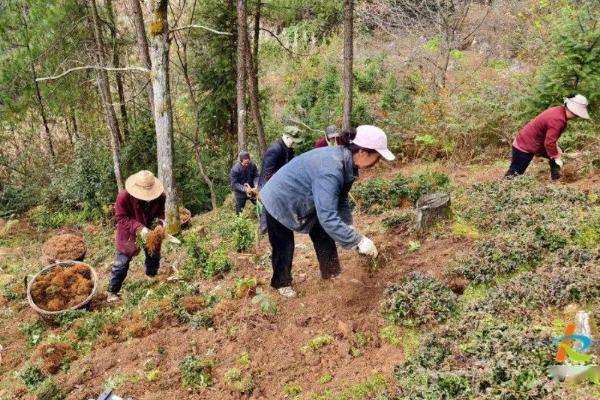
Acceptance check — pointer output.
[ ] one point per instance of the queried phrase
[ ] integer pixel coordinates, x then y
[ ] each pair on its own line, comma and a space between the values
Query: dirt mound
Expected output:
570, 173
193, 304
155, 239
62, 287
55, 355
64, 247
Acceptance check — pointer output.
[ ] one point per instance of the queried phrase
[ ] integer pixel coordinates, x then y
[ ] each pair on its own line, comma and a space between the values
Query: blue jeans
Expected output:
121, 267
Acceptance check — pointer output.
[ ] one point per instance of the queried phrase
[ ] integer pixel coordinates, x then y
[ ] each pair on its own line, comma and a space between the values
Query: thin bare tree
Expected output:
348, 61
241, 75
104, 88
142, 44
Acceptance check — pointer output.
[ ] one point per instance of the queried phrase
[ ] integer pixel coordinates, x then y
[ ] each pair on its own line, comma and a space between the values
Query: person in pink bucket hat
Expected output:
540, 136
310, 195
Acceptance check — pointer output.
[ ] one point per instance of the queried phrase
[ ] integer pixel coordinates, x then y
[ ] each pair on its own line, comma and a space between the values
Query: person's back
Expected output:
532, 137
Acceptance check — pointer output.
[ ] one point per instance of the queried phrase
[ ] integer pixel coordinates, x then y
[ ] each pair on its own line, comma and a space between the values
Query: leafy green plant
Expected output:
317, 342
390, 334
242, 234
325, 378
292, 389
196, 372
265, 303
238, 381
419, 299
49, 390
31, 376
153, 376
414, 246
202, 320
218, 263
33, 331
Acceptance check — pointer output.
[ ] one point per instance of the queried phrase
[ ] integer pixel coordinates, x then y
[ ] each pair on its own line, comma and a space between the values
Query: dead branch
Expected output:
200, 27
96, 67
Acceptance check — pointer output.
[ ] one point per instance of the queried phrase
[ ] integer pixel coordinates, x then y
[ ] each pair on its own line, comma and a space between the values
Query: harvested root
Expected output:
64, 247
154, 239
62, 287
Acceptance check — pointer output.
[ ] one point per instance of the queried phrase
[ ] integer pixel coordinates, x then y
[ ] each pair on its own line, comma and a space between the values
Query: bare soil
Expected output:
64, 247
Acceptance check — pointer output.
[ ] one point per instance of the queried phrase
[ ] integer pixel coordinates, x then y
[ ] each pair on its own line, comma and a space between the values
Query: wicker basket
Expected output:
50, 260
185, 216
51, 314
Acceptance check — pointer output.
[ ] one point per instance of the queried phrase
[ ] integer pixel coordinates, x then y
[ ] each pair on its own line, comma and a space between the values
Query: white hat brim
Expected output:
385, 153
578, 109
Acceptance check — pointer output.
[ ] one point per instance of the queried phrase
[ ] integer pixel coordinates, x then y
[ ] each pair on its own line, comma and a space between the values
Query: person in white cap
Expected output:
540, 136
310, 195
136, 207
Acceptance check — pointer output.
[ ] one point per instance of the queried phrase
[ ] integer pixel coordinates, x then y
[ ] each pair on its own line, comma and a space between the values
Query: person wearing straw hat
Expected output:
540, 136
136, 207
279, 153
332, 133
310, 195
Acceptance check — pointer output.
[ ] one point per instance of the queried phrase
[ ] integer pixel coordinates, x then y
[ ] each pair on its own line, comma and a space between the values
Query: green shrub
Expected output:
31, 376
317, 342
197, 256
196, 372
419, 299
33, 331
202, 319
218, 263
242, 234
49, 390
238, 381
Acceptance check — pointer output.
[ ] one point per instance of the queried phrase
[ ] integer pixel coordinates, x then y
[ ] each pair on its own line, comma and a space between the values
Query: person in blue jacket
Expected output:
310, 195
244, 178
279, 153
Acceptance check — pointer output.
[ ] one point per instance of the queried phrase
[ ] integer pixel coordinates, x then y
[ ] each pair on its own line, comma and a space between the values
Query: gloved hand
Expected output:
559, 162
367, 247
144, 233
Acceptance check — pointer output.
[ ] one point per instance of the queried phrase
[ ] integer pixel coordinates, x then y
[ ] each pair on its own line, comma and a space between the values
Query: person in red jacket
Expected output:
540, 136
331, 136
142, 201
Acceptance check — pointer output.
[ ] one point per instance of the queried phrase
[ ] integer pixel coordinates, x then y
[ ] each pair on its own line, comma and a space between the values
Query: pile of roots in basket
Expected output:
154, 239
62, 287
64, 247
184, 215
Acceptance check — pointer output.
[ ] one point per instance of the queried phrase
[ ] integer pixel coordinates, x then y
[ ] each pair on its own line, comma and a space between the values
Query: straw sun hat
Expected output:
144, 186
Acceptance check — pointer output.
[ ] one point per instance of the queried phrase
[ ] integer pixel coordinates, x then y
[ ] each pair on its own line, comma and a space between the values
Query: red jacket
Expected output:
130, 216
540, 135
322, 142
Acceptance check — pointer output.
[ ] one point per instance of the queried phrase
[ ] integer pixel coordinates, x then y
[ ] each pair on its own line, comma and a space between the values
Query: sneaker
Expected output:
287, 292
113, 297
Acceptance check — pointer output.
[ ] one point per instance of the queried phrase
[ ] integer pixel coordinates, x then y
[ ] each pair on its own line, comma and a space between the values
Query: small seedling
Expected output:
153, 375
292, 389
266, 304
317, 342
414, 246
238, 381
325, 378
196, 373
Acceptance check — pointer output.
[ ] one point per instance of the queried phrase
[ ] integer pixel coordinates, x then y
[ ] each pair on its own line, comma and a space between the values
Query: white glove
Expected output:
144, 233
559, 162
367, 247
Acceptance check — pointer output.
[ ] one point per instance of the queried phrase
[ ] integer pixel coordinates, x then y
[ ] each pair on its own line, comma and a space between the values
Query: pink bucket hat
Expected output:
578, 106
372, 137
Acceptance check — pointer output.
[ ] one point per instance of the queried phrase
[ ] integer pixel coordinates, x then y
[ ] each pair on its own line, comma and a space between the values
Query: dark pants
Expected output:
121, 267
521, 160
282, 243
240, 203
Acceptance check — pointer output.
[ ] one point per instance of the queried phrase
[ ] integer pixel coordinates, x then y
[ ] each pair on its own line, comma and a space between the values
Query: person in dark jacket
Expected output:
332, 134
136, 207
244, 178
540, 136
279, 153
310, 195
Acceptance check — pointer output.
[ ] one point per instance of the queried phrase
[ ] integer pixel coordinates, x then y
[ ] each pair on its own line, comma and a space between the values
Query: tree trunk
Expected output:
256, 37
118, 75
241, 75
254, 101
432, 208
74, 122
163, 115
348, 59
68, 129
111, 116
211, 188
38, 96
142, 42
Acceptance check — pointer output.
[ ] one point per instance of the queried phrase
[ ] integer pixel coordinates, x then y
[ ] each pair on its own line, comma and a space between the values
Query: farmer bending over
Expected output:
310, 195
279, 153
136, 207
540, 136
244, 177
